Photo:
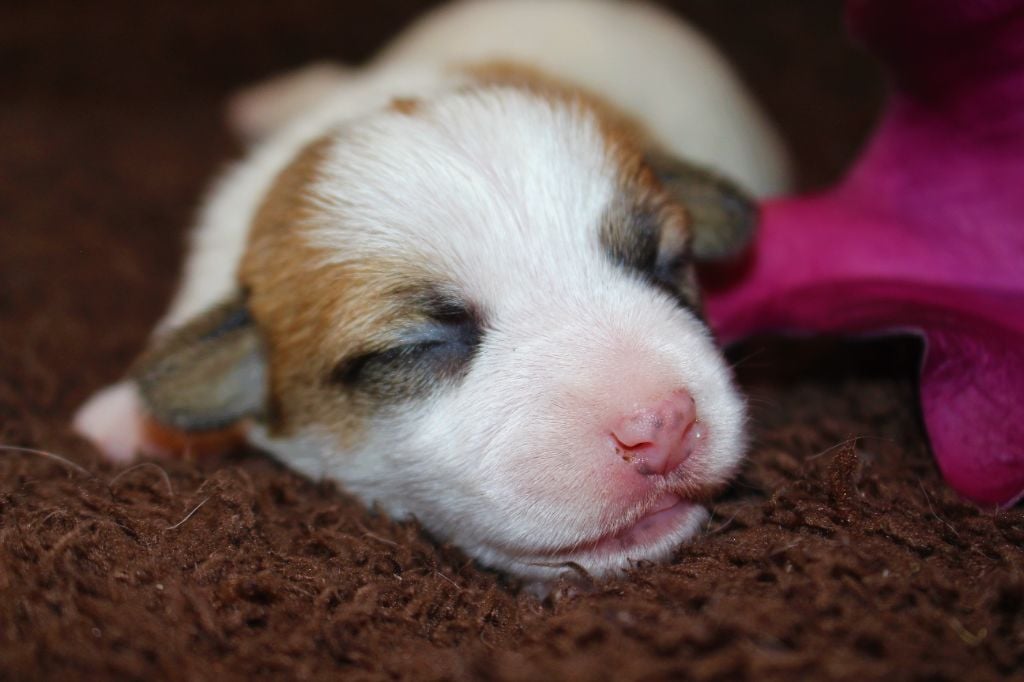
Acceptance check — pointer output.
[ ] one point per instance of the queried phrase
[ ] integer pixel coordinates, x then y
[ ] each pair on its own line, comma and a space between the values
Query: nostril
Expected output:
630, 452
641, 428
656, 439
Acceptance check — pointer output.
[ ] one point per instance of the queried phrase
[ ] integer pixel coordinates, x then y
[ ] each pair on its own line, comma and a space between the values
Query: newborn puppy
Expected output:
461, 282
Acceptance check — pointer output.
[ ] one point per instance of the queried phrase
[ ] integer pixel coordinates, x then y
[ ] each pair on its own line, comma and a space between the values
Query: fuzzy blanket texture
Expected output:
839, 553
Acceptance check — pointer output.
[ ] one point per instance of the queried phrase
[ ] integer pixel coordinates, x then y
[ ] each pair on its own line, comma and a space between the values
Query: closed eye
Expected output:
352, 371
419, 358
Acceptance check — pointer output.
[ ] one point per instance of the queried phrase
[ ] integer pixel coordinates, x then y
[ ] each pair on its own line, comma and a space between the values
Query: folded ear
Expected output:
207, 374
722, 215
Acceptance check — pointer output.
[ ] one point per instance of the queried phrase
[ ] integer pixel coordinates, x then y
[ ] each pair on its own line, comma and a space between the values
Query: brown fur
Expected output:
405, 105
313, 315
626, 139
192, 444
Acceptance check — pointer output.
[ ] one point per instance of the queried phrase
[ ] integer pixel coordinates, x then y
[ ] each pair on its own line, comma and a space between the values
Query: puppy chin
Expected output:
653, 538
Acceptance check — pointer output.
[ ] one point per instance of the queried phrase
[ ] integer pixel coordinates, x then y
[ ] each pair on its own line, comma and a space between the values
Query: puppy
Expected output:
461, 282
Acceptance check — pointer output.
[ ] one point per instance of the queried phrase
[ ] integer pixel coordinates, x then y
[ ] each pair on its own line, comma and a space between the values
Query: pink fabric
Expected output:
925, 234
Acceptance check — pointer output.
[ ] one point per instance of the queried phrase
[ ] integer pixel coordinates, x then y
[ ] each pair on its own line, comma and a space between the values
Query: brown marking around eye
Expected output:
626, 139
313, 314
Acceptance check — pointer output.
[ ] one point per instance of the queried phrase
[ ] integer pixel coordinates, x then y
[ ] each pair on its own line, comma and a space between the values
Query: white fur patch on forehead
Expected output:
470, 184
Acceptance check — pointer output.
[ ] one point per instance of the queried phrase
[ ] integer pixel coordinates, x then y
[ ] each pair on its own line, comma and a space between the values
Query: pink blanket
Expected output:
924, 235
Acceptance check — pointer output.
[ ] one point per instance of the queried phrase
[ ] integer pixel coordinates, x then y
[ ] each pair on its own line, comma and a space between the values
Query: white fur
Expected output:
500, 193
517, 460
110, 421
642, 59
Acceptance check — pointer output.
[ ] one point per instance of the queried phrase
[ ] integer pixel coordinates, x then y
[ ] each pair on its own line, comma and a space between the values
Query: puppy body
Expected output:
460, 281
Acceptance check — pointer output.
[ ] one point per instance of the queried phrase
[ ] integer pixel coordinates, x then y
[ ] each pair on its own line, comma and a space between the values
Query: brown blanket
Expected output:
838, 554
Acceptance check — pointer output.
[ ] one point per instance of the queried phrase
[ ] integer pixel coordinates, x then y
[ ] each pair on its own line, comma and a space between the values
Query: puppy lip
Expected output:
663, 518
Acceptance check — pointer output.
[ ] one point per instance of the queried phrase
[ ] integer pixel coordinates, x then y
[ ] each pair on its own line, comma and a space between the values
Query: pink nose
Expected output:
658, 438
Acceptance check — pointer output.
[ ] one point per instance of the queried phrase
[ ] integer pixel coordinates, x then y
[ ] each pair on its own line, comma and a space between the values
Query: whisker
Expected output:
442, 575
163, 473
931, 508
189, 515
749, 356
840, 444
374, 536
48, 455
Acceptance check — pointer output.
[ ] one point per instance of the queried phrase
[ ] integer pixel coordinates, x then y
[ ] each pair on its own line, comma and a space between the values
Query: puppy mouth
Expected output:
667, 522
651, 526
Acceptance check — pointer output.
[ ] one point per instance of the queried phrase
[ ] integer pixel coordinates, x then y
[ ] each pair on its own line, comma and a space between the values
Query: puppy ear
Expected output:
207, 374
722, 215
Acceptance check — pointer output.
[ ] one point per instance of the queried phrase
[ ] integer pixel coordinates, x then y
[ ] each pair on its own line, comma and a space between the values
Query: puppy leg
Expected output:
113, 420
116, 423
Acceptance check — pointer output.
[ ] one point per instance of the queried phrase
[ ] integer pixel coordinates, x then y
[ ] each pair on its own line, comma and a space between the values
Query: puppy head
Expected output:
481, 311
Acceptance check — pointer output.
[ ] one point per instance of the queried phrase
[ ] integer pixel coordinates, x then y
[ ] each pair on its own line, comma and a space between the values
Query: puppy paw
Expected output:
113, 420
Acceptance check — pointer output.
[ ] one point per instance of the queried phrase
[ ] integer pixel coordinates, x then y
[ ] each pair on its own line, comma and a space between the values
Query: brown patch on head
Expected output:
623, 134
338, 334
310, 314
405, 105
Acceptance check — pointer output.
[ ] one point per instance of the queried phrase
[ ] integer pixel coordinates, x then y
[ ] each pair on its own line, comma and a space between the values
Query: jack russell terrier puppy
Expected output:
461, 282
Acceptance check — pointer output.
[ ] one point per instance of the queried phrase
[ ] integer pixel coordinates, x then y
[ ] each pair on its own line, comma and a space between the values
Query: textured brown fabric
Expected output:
830, 558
